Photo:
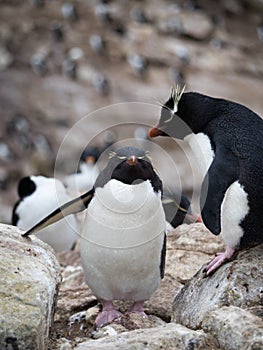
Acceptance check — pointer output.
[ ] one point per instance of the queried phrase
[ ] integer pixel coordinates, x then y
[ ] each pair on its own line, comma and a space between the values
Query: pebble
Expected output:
77, 317
92, 313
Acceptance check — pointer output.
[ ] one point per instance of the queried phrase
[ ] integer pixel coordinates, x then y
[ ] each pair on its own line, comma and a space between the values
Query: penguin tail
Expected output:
72, 207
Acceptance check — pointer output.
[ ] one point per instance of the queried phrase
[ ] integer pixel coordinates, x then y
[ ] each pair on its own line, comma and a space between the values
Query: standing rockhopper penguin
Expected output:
123, 239
228, 142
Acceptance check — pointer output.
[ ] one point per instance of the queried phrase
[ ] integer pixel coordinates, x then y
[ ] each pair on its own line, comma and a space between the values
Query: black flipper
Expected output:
76, 205
163, 255
221, 174
15, 216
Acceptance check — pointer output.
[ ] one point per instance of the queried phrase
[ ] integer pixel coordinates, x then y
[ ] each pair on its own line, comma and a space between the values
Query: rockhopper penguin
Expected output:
227, 138
123, 242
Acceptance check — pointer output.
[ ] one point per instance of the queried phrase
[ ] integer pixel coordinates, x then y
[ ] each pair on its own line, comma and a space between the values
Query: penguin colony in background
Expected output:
123, 241
227, 139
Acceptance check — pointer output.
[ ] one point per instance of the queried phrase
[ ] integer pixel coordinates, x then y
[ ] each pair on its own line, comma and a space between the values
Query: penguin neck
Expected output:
197, 110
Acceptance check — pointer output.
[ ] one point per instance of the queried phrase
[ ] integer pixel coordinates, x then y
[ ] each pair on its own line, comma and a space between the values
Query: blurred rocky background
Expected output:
62, 60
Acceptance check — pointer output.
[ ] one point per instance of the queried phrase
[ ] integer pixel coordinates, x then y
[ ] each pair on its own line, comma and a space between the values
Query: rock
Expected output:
29, 280
195, 238
237, 283
234, 328
170, 336
161, 302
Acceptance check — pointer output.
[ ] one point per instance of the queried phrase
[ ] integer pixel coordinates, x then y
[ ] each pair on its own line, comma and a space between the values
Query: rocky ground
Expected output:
59, 66
188, 311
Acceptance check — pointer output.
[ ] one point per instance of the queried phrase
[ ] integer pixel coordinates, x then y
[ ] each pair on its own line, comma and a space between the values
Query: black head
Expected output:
183, 114
129, 165
26, 187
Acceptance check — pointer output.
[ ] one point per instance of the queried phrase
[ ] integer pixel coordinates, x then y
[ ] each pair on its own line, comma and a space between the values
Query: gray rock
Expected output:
235, 328
29, 280
237, 283
169, 336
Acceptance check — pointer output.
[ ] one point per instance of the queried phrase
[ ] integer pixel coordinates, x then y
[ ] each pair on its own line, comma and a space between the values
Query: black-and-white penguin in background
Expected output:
123, 239
83, 180
227, 138
177, 209
39, 196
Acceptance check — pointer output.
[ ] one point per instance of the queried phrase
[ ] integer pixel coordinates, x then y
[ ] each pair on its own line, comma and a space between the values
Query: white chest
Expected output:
121, 215
202, 150
233, 210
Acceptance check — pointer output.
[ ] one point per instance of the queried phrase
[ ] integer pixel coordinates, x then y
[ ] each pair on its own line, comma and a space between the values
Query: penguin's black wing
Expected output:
76, 205
163, 255
221, 174
15, 216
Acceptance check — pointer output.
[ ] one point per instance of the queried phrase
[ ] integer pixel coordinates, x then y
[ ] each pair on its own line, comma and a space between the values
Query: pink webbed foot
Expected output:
108, 314
219, 260
137, 307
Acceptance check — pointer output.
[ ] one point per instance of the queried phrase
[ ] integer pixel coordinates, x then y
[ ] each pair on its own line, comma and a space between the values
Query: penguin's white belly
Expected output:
202, 149
122, 241
234, 208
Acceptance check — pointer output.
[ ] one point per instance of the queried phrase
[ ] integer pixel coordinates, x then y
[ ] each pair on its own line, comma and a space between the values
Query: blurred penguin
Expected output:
177, 208
38, 197
87, 172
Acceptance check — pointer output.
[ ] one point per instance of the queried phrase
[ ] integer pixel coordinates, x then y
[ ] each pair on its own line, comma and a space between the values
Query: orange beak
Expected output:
132, 160
90, 160
154, 131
